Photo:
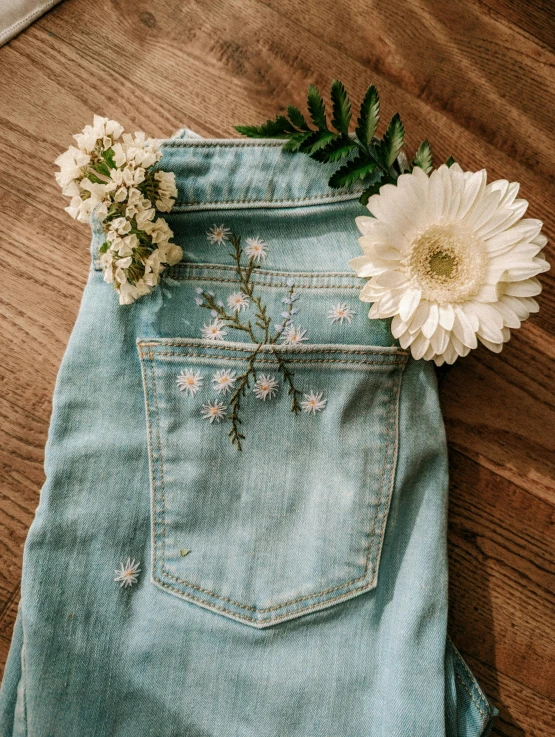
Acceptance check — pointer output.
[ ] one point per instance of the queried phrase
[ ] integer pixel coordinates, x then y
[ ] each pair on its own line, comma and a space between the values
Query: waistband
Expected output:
226, 174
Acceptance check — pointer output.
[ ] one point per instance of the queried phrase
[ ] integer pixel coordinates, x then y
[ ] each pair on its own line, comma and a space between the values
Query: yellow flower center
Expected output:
447, 263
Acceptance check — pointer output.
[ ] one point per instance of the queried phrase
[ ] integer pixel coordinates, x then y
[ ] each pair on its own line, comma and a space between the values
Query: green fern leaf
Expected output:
341, 106
369, 116
374, 188
423, 157
335, 151
296, 141
297, 118
359, 168
317, 109
450, 161
392, 141
280, 127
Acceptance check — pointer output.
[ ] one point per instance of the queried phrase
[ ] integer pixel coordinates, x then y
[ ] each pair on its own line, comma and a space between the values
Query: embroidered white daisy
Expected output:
451, 260
256, 249
218, 234
313, 402
214, 330
293, 335
189, 381
340, 313
265, 387
213, 411
128, 573
238, 301
224, 381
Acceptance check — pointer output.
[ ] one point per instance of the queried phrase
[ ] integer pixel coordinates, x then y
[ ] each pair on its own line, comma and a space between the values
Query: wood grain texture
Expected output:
476, 77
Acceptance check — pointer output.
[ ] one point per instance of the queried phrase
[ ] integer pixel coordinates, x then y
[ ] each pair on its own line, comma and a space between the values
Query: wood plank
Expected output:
502, 574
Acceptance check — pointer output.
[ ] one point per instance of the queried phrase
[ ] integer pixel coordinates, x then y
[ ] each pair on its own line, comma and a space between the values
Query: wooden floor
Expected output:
477, 79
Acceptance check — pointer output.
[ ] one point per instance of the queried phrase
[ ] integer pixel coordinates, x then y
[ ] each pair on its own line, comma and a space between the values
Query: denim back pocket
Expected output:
294, 521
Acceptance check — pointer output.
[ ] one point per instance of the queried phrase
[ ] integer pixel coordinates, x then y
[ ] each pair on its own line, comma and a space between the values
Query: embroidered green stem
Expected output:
263, 321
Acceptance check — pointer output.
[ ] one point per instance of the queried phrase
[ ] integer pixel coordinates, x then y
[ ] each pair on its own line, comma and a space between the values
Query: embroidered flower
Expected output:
111, 173
313, 402
213, 411
218, 234
256, 249
293, 335
451, 260
189, 381
341, 312
128, 573
224, 381
238, 301
265, 387
214, 330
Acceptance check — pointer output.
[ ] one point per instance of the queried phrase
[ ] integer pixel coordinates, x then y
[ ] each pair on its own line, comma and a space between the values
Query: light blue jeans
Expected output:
295, 587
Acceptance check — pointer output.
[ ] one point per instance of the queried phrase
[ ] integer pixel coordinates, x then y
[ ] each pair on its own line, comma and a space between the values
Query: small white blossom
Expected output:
224, 381
218, 234
128, 573
256, 249
293, 335
313, 402
265, 387
214, 330
238, 301
189, 381
108, 174
341, 312
167, 190
213, 411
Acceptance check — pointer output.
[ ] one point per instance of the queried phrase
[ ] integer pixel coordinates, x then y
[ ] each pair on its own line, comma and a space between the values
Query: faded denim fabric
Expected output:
294, 588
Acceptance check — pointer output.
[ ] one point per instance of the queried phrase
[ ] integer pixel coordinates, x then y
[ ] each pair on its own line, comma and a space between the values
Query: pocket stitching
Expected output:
392, 425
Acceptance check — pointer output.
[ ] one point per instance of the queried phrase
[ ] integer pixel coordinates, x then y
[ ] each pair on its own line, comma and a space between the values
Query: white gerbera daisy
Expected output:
256, 249
313, 402
265, 387
218, 234
189, 381
451, 260
238, 301
214, 330
128, 573
224, 380
341, 312
293, 335
213, 411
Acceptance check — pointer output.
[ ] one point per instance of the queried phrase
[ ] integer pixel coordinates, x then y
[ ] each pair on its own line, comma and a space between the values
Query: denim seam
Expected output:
393, 353
302, 361
483, 714
391, 427
466, 676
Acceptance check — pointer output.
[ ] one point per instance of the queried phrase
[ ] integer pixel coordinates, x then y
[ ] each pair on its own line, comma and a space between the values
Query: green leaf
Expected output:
359, 168
369, 116
108, 157
334, 151
93, 178
450, 161
297, 118
104, 247
296, 141
423, 157
317, 141
392, 141
374, 188
280, 127
316, 108
341, 107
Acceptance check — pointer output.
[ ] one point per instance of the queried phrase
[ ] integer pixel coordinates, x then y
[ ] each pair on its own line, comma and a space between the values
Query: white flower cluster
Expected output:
111, 173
